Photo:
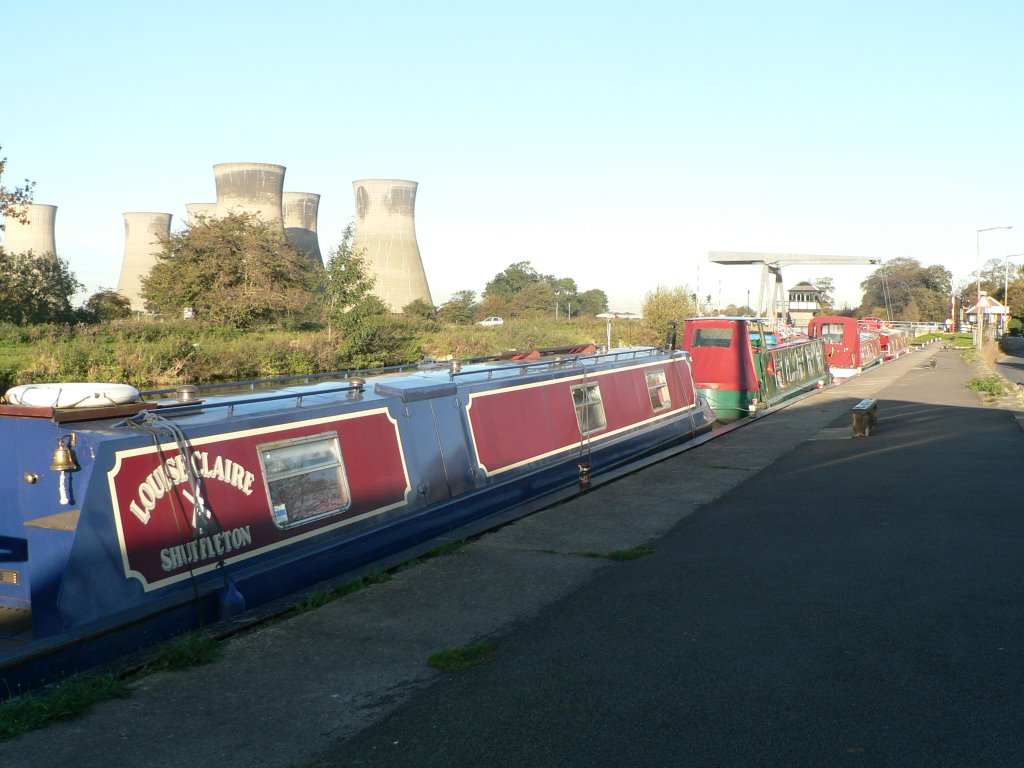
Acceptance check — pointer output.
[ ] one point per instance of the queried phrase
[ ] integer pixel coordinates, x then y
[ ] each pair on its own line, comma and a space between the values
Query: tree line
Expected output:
238, 271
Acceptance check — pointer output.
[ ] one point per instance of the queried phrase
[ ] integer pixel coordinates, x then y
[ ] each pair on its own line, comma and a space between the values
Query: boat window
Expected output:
657, 387
589, 408
305, 478
832, 333
712, 337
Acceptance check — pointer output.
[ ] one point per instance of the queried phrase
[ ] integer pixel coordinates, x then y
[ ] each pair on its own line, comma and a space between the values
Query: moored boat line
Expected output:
743, 366
137, 521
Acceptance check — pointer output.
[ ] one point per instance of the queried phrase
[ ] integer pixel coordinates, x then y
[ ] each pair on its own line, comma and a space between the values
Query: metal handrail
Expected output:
252, 384
525, 367
230, 404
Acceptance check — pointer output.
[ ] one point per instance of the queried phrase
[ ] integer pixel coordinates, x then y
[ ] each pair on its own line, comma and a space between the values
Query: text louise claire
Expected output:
173, 472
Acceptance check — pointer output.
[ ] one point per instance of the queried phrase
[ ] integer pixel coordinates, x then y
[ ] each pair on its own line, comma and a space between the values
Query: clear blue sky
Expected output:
614, 143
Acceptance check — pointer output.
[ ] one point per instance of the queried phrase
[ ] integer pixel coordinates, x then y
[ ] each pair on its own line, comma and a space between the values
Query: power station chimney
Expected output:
386, 232
195, 210
142, 242
299, 210
250, 188
36, 235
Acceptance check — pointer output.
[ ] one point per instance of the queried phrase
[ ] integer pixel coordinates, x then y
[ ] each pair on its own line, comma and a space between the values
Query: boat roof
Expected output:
731, 317
424, 381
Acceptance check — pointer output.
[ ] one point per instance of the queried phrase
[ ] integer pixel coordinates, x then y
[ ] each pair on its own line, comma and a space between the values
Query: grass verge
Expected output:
191, 650
69, 700
324, 596
622, 554
441, 550
458, 659
992, 386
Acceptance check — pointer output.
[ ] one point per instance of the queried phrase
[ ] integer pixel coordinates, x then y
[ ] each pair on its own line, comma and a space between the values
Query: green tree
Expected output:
106, 305
233, 271
827, 288
512, 281
420, 309
535, 299
733, 311
903, 289
371, 337
592, 302
36, 289
495, 306
566, 294
661, 307
13, 200
1014, 298
346, 279
460, 309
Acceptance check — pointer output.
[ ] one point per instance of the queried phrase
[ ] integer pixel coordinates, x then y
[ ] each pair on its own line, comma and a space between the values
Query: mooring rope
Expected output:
203, 521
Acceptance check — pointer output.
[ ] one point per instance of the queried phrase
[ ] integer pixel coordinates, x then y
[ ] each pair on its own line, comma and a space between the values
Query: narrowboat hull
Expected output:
177, 515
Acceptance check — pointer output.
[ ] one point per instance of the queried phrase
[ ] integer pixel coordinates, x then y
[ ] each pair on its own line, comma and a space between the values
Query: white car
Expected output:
489, 321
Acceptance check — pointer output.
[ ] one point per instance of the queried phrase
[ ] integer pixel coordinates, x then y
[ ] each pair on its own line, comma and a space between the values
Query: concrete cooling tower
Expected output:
142, 235
250, 188
386, 232
299, 210
195, 210
36, 235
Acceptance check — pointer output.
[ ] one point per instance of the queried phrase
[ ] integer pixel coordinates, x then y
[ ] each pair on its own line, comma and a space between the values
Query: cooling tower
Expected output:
386, 232
36, 235
142, 235
299, 209
195, 210
250, 188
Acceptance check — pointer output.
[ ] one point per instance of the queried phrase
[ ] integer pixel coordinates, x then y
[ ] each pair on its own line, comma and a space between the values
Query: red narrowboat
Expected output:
893, 340
849, 347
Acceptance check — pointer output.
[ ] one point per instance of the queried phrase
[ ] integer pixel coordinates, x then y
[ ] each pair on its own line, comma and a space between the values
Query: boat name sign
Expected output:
173, 472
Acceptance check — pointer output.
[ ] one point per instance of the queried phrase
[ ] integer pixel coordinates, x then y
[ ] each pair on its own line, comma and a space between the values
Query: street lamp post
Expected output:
1006, 287
980, 325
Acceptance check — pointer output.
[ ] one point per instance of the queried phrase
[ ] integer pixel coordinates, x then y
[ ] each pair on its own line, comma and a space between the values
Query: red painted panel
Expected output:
681, 385
511, 426
840, 354
861, 346
894, 343
515, 426
154, 509
728, 368
870, 349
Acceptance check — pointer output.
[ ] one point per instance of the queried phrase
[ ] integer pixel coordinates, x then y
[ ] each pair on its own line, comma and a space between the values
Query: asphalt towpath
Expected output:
812, 599
1010, 364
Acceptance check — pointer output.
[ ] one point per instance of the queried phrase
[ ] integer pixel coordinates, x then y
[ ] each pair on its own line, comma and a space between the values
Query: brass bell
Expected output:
63, 458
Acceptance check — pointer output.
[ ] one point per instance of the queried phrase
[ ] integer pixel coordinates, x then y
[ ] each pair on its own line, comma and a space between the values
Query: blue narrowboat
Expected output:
125, 519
